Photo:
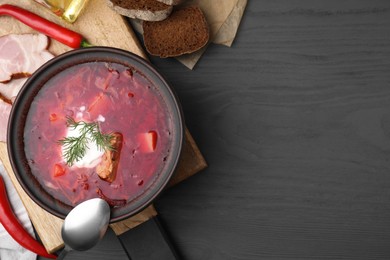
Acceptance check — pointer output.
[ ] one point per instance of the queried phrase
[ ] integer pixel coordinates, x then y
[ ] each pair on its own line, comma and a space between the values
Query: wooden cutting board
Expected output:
102, 27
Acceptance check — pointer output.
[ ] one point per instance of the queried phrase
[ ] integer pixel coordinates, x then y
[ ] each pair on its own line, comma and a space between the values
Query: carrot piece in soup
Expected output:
53, 117
58, 170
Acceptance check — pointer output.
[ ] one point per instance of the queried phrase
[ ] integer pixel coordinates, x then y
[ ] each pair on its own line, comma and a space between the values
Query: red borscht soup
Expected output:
86, 103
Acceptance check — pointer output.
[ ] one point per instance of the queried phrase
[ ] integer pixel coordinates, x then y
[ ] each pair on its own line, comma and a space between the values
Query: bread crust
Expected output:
150, 10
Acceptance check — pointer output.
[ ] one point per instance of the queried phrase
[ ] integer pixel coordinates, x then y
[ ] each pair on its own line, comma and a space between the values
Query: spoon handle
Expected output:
64, 252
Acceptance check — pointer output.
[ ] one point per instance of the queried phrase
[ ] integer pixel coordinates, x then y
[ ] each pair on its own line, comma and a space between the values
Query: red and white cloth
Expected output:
9, 248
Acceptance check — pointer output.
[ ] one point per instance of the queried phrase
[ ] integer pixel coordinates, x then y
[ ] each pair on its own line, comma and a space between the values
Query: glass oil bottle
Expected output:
69, 10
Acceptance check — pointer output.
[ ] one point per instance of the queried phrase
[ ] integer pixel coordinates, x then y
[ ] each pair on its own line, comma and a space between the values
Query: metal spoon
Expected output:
85, 225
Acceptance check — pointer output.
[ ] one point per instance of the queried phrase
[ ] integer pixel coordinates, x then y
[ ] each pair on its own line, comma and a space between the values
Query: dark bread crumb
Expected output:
149, 5
148, 10
184, 31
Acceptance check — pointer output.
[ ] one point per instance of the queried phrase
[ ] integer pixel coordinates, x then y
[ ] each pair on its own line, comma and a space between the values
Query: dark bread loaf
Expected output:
184, 31
147, 10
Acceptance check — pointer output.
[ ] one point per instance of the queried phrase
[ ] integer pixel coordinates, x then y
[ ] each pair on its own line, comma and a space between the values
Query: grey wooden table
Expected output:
294, 122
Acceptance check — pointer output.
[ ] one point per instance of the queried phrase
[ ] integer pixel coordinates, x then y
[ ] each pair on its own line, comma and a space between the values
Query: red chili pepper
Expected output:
15, 229
53, 30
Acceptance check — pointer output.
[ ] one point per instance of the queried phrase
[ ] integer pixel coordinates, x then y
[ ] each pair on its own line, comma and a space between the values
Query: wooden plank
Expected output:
101, 26
295, 122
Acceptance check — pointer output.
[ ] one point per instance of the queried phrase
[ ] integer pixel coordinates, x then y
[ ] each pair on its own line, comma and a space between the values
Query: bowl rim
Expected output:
33, 85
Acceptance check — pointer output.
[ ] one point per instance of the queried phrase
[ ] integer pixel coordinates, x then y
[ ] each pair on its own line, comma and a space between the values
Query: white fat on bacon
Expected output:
22, 54
5, 109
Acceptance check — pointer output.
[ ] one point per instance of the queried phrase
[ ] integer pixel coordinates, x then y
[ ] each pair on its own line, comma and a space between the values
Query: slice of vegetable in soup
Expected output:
59, 170
148, 141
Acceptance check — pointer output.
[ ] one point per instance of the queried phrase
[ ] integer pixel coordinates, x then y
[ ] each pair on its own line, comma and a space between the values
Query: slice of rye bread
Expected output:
184, 31
147, 10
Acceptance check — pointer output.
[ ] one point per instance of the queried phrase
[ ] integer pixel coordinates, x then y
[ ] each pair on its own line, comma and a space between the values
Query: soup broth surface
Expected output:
119, 99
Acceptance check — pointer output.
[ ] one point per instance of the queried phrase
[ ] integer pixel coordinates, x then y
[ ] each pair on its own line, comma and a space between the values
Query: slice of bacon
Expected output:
22, 54
11, 89
5, 109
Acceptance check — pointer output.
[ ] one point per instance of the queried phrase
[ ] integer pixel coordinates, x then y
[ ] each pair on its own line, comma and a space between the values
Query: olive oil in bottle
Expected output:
69, 10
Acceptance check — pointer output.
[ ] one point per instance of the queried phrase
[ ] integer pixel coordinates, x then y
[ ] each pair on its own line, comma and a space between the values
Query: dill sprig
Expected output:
75, 147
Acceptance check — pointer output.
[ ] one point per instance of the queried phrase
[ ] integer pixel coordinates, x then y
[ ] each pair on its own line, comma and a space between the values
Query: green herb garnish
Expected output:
75, 148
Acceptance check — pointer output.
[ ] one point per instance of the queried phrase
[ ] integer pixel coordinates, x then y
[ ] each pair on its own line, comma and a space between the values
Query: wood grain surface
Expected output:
101, 26
294, 121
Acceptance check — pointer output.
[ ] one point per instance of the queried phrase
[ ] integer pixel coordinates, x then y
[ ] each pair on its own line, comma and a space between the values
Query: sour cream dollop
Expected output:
93, 153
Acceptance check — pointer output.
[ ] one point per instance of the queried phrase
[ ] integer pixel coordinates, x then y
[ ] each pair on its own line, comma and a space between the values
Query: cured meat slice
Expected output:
11, 89
5, 109
22, 54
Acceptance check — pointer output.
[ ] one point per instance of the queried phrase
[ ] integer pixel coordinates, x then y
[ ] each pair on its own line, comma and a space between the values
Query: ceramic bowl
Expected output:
16, 143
